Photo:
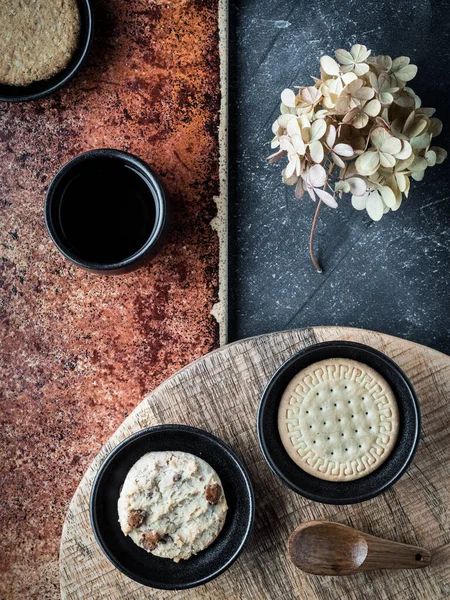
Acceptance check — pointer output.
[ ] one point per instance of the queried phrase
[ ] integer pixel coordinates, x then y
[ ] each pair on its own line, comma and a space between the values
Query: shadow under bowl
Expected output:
142, 566
39, 89
346, 492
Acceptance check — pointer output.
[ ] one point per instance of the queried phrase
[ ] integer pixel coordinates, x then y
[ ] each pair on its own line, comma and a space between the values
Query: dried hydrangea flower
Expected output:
355, 60
359, 126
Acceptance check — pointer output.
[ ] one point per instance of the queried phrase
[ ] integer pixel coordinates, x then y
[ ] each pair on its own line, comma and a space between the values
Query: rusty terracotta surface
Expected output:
79, 351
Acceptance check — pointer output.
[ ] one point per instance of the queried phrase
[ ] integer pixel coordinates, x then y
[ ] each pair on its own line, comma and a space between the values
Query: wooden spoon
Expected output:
326, 548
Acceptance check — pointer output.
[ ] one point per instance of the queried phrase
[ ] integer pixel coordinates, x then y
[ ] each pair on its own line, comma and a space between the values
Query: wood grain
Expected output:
220, 393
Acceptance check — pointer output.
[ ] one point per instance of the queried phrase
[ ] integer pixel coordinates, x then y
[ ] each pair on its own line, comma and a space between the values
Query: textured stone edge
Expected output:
220, 221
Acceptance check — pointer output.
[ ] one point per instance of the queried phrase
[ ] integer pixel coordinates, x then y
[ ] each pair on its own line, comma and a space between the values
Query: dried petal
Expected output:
402, 181
311, 95
329, 65
316, 151
418, 164
368, 163
388, 195
299, 189
372, 108
358, 119
298, 144
405, 152
430, 157
361, 69
357, 186
285, 144
415, 128
337, 160
331, 136
344, 57
290, 169
365, 93
427, 112
318, 129
360, 52
418, 176
378, 136
435, 126
359, 202
317, 176
391, 145
283, 120
293, 127
386, 98
348, 78
406, 73
381, 62
399, 63
374, 206
387, 160
343, 150
327, 198
288, 98
441, 154
342, 186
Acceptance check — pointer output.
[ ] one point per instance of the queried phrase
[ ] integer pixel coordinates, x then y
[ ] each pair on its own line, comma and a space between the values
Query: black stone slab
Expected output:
391, 276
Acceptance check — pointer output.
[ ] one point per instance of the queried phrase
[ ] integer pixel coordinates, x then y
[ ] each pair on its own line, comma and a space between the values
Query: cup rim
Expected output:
45, 87
158, 195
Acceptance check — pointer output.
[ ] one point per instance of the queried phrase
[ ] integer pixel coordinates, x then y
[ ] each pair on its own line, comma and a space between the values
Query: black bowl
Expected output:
39, 89
106, 160
135, 562
346, 492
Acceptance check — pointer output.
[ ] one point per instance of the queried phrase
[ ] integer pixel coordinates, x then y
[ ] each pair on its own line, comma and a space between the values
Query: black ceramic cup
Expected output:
144, 567
39, 89
106, 211
335, 492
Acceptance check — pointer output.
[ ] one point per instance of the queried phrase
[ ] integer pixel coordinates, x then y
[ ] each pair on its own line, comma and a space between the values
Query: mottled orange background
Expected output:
79, 351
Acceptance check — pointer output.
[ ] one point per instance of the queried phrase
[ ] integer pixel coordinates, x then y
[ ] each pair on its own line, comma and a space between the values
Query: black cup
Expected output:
106, 212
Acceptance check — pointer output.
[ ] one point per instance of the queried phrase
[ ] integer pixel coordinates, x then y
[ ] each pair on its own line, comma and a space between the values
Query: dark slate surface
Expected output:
391, 276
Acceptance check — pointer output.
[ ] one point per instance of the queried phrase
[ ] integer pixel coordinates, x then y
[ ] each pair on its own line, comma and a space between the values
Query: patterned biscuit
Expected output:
338, 419
172, 504
37, 38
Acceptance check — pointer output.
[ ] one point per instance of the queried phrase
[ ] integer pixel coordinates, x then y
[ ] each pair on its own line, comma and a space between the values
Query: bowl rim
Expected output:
265, 397
196, 432
57, 81
159, 198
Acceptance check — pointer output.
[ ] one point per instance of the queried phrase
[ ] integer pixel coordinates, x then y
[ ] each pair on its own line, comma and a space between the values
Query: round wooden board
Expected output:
220, 393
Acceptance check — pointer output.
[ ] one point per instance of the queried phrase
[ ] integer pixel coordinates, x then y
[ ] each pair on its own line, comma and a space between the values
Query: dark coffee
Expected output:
107, 210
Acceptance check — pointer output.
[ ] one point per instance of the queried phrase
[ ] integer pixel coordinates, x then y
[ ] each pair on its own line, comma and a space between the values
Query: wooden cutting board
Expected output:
220, 393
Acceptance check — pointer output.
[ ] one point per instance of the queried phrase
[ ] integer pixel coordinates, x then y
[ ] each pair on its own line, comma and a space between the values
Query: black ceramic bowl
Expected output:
103, 226
39, 89
348, 492
135, 562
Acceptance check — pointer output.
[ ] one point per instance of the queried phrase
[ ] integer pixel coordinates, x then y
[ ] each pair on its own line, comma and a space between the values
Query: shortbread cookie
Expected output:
37, 38
172, 504
338, 419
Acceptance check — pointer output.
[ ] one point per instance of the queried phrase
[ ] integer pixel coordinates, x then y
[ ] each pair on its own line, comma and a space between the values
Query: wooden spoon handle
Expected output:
386, 554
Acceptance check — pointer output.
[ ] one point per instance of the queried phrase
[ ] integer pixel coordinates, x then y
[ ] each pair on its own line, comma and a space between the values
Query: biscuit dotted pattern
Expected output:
338, 420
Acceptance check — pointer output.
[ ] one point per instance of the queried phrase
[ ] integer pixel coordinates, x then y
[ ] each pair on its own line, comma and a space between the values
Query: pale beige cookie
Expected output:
172, 504
338, 419
37, 38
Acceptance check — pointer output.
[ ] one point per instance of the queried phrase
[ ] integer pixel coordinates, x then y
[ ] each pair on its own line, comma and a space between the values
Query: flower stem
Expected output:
314, 224
311, 239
